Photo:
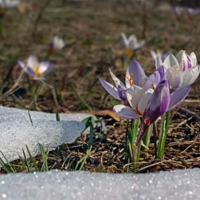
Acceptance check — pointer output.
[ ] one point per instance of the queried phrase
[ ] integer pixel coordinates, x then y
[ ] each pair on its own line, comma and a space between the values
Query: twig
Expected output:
154, 165
144, 8
190, 113
195, 140
14, 86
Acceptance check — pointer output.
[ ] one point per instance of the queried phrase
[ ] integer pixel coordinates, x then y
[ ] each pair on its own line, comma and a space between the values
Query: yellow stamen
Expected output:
147, 122
179, 67
153, 86
138, 112
141, 84
37, 71
128, 52
131, 81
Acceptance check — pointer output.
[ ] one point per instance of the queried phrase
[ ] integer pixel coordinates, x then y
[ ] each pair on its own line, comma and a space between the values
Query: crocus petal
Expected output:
116, 80
125, 112
153, 55
170, 61
109, 88
153, 79
132, 38
161, 71
124, 40
158, 62
121, 93
144, 100
32, 61
187, 63
57, 43
164, 56
139, 45
21, 64
190, 76
193, 58
175, 77
27, 70
158, 104
177, 10
134, 94
179, 56
184, 60
45, 67
30, 72
132, 41
137, 71
178, 96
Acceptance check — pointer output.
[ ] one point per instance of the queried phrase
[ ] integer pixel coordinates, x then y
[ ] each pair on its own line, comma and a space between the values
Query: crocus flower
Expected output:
192, 12
56, 44
36, 70
131, 44
7, 4
177, 11
181, 70
160, 54
145, 98
135, 75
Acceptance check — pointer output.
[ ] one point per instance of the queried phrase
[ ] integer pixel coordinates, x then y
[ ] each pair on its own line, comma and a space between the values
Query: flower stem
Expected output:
35, 96
155, 139
163, 133
146, 137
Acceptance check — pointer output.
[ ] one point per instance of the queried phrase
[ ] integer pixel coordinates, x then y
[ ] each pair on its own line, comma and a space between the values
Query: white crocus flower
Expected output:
131, 44
181, 70
56, 44
7, 4
36, 70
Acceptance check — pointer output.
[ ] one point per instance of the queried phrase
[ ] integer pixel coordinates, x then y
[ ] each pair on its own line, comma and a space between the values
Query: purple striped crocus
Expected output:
147, 99
36, 70
180, 71
149, 103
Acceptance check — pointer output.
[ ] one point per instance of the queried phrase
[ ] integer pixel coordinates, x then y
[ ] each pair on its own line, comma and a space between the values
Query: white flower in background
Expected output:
160, 54
192, 12
36, 70
131, 44
56, 44
180, 71
9, 3
177, 11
